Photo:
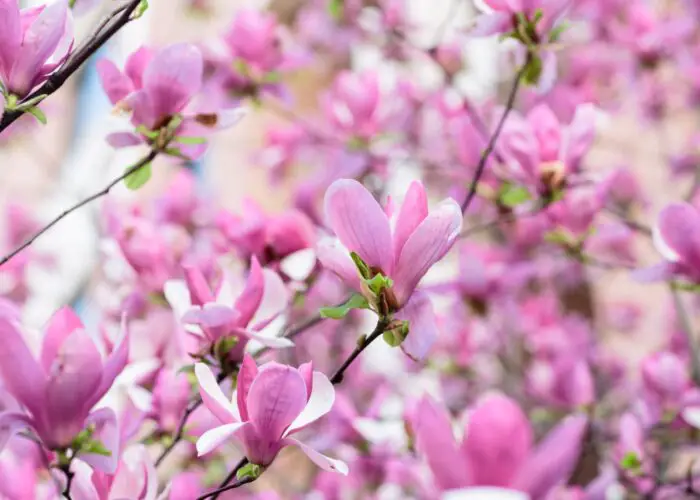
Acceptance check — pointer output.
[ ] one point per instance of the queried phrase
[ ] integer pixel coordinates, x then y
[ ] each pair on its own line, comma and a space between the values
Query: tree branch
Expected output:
481, 167
135, 168
106, 30
225, 484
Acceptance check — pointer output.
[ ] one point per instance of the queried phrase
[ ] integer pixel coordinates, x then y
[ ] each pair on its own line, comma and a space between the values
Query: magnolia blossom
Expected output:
676, 236
156, 86
541, 151
59, 390
270, 403
218, 315
419, 240
135, 479
497, 450
501, 16
34, 42
353, 104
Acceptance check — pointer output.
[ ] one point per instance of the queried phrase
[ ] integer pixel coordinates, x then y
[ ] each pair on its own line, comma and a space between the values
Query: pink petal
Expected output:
276, 397
212, 395
554, 459
268, 340
274, 300
172, 77
360, 223
434, 439
246, 375
519, 146
200, 293
23, 377
40, 41
677, 235
319, 404
422, 325
136, 65
114, 364
498, 441
580, 135
547, 130
123, 140
326, 463
60, 326
335, 258
115, 83
217, 436
492, 24
413, 211
142, 109
249, 300
429, 243
10, 424
307, 371
74, 377
106, 432
211, 315
10, 35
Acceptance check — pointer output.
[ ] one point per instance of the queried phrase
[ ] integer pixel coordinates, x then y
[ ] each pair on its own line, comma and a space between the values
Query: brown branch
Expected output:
481, 167
106, 30
103, 192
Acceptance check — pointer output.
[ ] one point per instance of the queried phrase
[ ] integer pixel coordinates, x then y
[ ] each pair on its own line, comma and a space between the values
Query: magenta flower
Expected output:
135, 478
677, 238
217, 316
60, 389
270, 404
253, 40
501, 16
34, 42
157, 86
353, 105
497, 449
419, 240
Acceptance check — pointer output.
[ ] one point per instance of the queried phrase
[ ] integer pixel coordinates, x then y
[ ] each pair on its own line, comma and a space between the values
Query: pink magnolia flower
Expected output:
665, 380
541, 151
271, 403
497, 449
253, 39
171, 395
218, 315
60, 389
418, 240
157, 86
677, 238
135, 478
34, 42
353, 104
501, 16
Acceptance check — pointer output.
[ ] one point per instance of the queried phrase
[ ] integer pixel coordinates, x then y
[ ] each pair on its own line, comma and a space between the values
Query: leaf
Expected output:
630, 461
557, 31
335, 9
38, 114
396, 333
379, 283
249, 471
138, 177
511, 195
140, 10
144, 131
533, 70
357, 301
25, 105
190, 141
361, 266
95, 447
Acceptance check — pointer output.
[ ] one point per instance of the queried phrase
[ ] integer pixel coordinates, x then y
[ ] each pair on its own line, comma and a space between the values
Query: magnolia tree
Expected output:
444, 342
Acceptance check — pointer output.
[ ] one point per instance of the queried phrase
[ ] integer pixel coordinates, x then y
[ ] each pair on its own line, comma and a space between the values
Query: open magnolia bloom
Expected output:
270, 404
60, 389
497, 451
418, 240
218, 315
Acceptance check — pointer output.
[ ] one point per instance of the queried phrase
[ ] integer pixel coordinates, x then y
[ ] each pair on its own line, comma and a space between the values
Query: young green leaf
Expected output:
249, 471
361, 266
138, 177
38, 114
511, 195
190, 141
357, 301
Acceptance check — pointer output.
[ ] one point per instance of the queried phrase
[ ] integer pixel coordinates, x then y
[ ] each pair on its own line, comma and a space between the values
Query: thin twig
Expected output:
107, 29
231, 476
103, 192
237, 484
682, 316
481, 167
362, 344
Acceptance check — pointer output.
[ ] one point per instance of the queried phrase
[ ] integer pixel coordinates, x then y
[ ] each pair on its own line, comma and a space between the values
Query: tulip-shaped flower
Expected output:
497, 450
270, 403
60, 389
34, 42
157, 88
220, 316
419, 240
677, 238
